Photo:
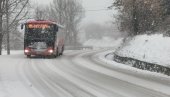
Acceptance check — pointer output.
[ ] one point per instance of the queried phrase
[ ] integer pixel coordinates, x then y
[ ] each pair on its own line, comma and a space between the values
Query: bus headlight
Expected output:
26, 51
50, 51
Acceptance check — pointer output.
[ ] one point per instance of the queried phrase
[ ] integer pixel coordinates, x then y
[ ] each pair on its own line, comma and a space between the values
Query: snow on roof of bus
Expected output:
41, 21
32, 21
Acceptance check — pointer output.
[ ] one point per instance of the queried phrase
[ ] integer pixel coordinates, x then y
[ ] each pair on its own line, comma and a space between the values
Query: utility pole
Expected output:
7, 28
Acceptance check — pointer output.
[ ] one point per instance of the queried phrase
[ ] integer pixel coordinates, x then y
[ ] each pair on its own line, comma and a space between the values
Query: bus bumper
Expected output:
47, 52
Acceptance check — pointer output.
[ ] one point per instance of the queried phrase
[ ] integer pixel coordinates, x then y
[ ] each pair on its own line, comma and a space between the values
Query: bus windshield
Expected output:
39, 31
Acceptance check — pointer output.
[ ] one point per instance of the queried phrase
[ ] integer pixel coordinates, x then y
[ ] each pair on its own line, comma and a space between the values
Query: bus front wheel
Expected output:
62, 51
56, 53
28, 56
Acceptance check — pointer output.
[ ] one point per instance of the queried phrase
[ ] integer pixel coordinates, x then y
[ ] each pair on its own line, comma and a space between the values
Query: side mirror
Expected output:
56, 28
22, 26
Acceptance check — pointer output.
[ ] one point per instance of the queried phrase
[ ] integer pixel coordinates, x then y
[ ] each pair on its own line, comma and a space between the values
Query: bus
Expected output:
43, 38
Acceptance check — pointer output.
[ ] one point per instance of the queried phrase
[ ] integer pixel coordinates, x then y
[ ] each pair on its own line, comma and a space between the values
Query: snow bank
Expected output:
13, 52
153, 49
107, 57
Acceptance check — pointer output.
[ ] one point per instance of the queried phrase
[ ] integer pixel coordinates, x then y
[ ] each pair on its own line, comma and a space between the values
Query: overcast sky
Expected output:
102, 16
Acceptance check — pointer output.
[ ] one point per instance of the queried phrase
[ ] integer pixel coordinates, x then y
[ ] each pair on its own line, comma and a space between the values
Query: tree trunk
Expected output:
0, 43
1, 34
7, 30
135, 19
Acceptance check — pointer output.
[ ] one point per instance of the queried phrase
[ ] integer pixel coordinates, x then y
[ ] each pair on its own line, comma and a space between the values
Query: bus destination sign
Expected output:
38, 26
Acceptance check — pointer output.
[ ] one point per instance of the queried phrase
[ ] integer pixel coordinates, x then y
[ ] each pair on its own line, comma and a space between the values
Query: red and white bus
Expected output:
43, 38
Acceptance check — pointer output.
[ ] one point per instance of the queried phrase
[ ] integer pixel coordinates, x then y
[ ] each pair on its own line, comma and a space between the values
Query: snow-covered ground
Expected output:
81, 73
12, 52
12, 81
106, 57
148, 48
76, 74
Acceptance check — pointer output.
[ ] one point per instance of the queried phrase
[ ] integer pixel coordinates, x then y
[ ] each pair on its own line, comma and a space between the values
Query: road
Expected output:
75, 74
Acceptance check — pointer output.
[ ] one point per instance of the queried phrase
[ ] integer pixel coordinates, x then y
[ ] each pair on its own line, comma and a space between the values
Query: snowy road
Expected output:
75, 74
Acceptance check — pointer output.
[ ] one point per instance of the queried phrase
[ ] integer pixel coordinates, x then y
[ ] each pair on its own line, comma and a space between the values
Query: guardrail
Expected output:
142, 65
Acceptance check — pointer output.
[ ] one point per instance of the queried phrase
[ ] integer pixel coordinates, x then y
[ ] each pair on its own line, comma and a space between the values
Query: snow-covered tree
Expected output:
11, 12
68, 13
140, 16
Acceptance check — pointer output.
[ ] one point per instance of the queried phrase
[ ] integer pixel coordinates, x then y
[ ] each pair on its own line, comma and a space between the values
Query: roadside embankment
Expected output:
147, 52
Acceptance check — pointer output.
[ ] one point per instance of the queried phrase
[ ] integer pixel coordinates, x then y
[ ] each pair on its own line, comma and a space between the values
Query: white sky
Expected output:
101, 17
97, 16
